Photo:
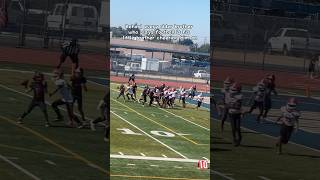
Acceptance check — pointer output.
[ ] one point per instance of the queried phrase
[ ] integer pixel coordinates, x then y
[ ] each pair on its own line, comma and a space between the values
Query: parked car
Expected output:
202, 74
133, 67
290, 40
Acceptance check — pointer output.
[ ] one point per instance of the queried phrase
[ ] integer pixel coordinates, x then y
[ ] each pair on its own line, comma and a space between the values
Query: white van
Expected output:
73, 16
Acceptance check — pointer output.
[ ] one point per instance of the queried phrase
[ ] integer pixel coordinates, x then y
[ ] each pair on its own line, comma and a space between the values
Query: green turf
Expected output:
195, 145
33, 151
257, 156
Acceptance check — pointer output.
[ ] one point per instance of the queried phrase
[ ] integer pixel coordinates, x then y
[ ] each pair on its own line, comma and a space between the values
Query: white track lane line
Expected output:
19, 168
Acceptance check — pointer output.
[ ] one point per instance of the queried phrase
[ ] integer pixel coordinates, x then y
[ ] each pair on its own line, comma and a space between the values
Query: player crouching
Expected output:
39, 88
288, 119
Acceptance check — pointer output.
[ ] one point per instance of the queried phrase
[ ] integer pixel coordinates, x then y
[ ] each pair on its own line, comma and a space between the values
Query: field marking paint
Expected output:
166, 116
19, 168
169, 129
125, 112
50, 141
186, 120
221, 175
50, 162
34, 151
131, 164
121, 153
142, 154
178, 167
272, 137
264, 178
206, 158
153, 115
149, 135
151, 177
116, 156
164, 156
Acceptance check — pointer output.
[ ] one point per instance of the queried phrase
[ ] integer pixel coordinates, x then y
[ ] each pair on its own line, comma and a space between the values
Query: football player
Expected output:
199, 100
104, 109
270, 89
144, 95
289, 119
122, 90
78, 82
258, 99
134, 90
132, 78
66, 98
235, 112
39, 88
183, 95
130, 92
225, 100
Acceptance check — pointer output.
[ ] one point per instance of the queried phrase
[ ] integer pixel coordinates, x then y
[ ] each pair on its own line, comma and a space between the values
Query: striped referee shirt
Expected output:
71, 49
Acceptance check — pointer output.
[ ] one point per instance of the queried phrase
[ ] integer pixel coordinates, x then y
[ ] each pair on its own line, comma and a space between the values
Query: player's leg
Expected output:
30, 108
253, 107
224, 118
80, 108
63, 58
260, 106
238, 128
233, 128
43, 108
55, 106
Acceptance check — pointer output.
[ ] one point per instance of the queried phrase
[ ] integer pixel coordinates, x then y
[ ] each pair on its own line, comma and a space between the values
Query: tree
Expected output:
186, 42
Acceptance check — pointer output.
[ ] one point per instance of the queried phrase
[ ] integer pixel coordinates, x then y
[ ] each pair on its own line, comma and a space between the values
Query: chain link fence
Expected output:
264, 41
47, 23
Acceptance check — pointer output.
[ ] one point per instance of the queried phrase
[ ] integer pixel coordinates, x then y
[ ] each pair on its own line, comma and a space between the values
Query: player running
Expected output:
270, 89
200, 99
192, 91
289, 119
235, 111
258, 99
225, 100
39, 88
134, 90
104, 109
66, 98
78, 82
122, 90
144, 95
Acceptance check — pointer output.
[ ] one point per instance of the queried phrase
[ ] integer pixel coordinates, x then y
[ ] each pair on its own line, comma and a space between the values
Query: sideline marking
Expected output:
50, 162
34, 151
151, 177
149, 135
19, 168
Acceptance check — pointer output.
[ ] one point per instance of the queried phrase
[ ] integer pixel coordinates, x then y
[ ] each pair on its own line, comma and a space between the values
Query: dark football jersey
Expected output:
77, 83
39, 89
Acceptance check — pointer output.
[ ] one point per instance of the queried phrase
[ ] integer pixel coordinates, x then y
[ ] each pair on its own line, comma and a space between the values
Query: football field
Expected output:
32, 151
256, 157
156, 143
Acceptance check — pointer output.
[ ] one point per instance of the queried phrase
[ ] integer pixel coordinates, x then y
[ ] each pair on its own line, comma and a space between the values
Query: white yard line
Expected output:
264, 178
19, 168
150, 135
221, 175
164, 156
208, 129
50, 162
121, 153
116, 156
142, 154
